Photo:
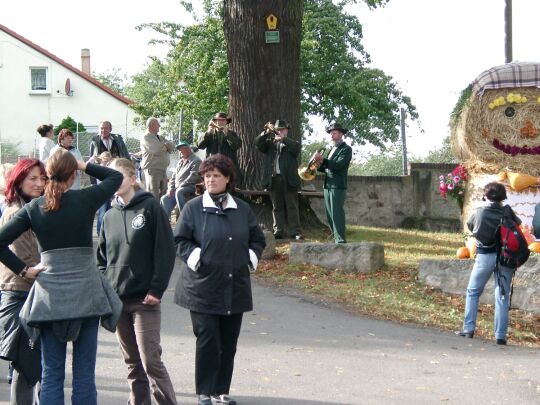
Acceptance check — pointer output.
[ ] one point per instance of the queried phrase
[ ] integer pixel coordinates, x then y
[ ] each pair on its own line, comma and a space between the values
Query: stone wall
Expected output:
398, 201
452, 276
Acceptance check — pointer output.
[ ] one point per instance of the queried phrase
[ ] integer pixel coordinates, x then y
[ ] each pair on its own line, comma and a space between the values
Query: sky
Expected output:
432, 49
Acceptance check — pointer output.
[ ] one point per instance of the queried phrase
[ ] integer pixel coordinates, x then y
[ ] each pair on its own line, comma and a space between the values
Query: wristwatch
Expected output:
22, 274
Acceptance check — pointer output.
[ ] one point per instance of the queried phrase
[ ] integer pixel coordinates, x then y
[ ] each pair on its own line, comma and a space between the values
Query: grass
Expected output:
394, 292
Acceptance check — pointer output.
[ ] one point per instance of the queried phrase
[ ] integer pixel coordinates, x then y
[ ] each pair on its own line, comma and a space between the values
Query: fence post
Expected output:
404, 143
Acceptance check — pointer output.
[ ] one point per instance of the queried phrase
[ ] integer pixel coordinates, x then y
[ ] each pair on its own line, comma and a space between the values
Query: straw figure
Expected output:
496, 134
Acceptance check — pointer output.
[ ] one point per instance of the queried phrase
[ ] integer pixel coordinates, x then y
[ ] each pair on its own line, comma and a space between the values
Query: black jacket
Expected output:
136, 248
118, 147
483, 224
288, 160
222, 284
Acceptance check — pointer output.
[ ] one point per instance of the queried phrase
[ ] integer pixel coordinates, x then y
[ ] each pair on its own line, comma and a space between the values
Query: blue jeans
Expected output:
53, 359
484, 267
168, 203
101, 213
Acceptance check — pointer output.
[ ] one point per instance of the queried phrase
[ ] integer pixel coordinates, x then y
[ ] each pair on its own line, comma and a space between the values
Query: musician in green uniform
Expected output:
335, 167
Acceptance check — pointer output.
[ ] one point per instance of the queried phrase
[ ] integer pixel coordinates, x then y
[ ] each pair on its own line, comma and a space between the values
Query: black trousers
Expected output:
217, 336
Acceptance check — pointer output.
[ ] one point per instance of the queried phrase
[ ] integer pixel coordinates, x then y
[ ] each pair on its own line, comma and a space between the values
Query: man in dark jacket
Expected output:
107, 142
280, 176
335, 166
219, 138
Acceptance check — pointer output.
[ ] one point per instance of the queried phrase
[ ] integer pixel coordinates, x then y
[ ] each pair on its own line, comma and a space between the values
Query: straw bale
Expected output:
472, 138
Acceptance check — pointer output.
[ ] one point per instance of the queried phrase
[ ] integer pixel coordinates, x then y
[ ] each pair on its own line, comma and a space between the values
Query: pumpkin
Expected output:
534, 247
463, 253
471, 245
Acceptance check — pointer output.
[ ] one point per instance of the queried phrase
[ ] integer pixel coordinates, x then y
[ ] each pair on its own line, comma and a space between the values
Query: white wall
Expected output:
21, 112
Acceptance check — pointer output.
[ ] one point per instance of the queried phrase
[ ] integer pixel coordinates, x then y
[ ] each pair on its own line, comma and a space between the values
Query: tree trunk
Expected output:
264, 78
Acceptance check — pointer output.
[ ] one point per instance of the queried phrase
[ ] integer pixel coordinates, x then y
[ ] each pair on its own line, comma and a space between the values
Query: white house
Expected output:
37, 87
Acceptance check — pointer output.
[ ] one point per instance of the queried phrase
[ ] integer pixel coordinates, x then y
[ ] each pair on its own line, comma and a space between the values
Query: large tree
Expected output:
319, 67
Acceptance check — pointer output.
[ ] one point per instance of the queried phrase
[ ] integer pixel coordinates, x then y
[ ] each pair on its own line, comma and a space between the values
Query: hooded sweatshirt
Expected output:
136, 248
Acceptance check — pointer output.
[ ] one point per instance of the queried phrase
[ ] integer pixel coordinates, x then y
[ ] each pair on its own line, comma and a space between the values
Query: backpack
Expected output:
513, 247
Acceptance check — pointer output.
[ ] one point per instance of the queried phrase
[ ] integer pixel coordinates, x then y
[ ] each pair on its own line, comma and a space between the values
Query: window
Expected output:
38, 80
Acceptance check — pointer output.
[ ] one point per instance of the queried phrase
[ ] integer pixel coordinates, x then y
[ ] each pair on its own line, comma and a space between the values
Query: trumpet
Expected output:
216, 127
272, 132
308, 172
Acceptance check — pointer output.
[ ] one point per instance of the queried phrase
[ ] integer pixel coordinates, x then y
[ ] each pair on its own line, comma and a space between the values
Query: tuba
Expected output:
309, 172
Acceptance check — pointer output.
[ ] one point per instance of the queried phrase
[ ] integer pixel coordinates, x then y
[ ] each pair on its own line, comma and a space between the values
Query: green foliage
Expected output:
463, 101
389, 162
113, 79
70, 124
9, 150
442, 154
336, 83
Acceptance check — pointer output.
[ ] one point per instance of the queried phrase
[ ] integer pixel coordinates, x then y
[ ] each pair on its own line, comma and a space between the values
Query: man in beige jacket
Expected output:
155, 158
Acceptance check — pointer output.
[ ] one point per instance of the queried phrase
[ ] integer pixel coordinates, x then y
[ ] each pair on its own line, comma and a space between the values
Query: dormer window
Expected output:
39, 80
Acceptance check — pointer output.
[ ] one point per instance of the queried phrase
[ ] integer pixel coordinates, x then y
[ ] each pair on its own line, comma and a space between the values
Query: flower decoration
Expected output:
453, 184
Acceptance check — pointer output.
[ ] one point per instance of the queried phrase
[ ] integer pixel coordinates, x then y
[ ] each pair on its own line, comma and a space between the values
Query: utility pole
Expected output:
508, 31
404, 144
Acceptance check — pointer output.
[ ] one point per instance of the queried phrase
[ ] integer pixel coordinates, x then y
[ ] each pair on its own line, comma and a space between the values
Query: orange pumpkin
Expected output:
534, 247
463, 253
471, 245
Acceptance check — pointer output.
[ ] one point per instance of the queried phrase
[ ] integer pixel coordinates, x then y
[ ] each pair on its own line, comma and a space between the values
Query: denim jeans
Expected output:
53, 358
168, 203
101, 213
484, 268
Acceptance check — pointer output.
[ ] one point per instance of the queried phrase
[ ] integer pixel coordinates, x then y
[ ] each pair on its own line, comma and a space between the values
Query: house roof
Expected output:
66, 65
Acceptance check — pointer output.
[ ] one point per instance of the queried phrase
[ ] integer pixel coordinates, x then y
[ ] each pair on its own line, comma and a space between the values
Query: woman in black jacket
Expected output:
221, 242
136, 254
483, 224
69, 295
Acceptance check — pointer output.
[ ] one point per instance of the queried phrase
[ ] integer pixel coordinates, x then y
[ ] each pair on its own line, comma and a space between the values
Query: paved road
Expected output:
295, 352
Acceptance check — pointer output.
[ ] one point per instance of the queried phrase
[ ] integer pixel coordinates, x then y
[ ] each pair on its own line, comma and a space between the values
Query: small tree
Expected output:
70, 124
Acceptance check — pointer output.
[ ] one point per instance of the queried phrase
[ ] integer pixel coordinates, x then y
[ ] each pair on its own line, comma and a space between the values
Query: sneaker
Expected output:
462, 333
298, 236
205, 400
501, 341
223, 399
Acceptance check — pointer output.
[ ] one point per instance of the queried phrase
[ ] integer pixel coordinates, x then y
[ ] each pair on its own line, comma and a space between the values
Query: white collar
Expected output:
207, 201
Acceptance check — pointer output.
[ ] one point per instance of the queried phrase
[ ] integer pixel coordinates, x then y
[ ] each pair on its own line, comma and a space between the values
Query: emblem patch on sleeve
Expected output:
138, 221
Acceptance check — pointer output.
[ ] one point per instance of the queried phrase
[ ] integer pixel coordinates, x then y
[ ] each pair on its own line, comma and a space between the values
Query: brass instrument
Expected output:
215, 126
309, 172
272, 132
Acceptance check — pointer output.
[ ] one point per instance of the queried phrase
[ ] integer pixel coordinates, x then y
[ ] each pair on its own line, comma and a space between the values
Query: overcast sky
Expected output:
432, 49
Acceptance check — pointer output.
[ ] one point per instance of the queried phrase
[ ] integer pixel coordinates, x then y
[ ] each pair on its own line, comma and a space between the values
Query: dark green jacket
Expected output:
288, 163
136, 248
337, 167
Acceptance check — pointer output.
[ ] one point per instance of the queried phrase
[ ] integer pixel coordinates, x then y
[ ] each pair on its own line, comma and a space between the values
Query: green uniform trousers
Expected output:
334, 200
284, 200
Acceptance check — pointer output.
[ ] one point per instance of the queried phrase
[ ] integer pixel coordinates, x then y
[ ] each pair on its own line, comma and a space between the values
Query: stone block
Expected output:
270, 250
363, 257
452, 276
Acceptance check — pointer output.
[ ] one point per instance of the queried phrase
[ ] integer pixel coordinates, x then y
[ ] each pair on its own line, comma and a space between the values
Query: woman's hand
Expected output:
33, 272
81, 165
151, 300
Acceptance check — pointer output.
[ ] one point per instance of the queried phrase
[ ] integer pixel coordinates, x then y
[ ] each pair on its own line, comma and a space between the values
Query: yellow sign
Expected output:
271, 22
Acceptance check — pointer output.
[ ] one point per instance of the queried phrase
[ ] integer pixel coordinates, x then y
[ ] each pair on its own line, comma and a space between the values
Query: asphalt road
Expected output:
293, 351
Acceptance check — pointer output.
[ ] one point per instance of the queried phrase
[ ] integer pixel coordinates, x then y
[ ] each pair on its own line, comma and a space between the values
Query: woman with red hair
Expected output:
26, 182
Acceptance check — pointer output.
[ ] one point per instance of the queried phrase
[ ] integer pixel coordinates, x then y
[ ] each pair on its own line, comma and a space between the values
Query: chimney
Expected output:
85, 61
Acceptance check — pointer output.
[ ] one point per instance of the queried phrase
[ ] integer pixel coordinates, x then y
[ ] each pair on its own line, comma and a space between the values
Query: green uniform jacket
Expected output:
336, 167
288, 163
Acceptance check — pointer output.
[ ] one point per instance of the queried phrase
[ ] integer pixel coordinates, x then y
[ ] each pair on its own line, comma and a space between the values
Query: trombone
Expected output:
308, 172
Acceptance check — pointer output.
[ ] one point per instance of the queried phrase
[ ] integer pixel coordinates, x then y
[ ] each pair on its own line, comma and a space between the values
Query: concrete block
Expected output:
452, 276
363, 257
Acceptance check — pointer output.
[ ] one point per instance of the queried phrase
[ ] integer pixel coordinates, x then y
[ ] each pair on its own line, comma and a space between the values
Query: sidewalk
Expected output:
294, 352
